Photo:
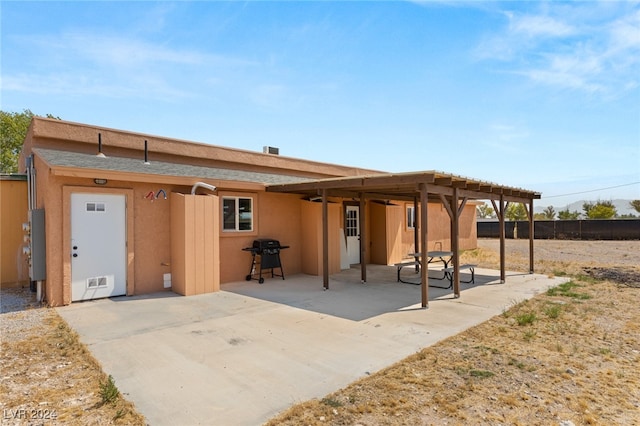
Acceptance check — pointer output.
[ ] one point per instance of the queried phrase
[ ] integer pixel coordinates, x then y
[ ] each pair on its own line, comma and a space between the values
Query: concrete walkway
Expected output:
240, 356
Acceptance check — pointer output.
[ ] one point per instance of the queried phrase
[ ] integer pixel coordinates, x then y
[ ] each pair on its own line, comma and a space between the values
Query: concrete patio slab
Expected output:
240, 356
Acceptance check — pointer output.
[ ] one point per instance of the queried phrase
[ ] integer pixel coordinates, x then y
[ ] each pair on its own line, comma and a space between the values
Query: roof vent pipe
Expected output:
202, 185
100, 153
146, 153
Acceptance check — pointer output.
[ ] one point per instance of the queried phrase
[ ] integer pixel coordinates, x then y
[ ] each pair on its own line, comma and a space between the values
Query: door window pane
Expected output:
411, 217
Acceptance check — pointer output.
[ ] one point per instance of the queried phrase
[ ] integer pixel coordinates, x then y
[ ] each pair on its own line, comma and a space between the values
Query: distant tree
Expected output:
599, 210
635, 204
485, 211
568, 215
13, 130
516, 211
549, 213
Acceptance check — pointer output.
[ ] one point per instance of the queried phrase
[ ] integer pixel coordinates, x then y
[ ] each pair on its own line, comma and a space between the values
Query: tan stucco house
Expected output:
124, 213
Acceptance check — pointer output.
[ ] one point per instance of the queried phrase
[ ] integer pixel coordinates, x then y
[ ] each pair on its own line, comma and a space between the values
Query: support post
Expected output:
531, 235
500, 212
416, 233
455, 242
325, 240
424, 243
363, 240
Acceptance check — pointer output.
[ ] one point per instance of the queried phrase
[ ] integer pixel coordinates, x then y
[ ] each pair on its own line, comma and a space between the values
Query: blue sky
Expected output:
539, 95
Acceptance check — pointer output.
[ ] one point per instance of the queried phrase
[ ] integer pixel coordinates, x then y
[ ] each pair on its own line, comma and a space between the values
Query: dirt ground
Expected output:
47, 376
569, 357
584, 253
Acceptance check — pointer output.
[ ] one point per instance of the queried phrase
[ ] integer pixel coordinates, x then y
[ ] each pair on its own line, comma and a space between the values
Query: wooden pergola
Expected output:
420, 187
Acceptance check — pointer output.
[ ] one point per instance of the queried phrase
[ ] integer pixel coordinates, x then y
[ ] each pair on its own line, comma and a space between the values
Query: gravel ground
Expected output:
19, 313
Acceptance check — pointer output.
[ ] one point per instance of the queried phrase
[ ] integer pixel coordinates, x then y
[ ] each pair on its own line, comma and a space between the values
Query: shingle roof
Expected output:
56, 158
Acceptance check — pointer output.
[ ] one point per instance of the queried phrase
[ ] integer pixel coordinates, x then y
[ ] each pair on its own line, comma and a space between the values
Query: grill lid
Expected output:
265, 243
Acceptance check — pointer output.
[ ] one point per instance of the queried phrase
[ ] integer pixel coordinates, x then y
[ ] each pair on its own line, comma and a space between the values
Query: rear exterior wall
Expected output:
14, 270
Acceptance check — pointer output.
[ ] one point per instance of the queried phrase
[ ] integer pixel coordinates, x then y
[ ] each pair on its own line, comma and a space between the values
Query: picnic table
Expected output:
432, 256
436, 256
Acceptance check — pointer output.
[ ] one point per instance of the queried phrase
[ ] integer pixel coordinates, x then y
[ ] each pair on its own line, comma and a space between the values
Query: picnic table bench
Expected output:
432, 256
436, 256
401, 265
448, 273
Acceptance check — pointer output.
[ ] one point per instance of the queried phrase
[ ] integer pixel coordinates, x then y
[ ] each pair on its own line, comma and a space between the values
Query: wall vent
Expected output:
271, 150
96, 282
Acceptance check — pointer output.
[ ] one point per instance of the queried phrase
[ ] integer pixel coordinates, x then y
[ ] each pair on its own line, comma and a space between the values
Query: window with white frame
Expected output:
237, 214
411, 217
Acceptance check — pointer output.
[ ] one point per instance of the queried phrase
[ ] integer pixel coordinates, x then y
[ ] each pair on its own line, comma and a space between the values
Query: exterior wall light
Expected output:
100, 181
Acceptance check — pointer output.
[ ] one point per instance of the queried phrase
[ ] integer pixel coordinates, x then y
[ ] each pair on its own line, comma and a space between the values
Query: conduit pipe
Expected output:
202, 185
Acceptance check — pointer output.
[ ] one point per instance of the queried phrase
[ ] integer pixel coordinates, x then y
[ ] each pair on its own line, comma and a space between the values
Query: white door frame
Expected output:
98, 246
67, 190
352, 232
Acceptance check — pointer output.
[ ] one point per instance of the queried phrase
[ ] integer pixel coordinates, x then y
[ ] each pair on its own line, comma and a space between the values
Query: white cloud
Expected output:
87, 85
539, 26
625, 32
580, 51
117, 67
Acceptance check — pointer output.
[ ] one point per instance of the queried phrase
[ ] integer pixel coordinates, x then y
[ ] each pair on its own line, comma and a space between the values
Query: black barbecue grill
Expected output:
268, 253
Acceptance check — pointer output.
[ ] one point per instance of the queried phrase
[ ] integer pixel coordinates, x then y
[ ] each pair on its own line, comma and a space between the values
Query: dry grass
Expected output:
569, 355
50, 376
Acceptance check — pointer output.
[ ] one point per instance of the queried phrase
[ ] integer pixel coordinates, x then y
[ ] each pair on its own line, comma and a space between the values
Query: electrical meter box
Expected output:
37, 264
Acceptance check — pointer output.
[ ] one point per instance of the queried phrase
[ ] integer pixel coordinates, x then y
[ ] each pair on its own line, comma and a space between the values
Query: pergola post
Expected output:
325, 240
500, 212
454, 209
416, 233
531, 234
455, 243
424, 243
363, 239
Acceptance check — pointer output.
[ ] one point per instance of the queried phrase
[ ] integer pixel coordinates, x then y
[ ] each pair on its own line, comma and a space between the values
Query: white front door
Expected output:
352, 229
98, 246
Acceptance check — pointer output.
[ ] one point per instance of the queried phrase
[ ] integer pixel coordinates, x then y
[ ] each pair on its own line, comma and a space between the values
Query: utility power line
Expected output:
592, 190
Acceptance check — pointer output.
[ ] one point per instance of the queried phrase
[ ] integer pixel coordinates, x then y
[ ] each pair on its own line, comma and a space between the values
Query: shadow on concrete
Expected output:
348, 297
158, 295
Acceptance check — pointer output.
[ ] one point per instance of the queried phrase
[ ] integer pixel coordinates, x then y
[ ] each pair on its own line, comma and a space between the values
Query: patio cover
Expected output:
420, 187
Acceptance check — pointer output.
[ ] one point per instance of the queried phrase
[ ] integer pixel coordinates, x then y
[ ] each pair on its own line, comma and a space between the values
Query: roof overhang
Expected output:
406, 186
82, 165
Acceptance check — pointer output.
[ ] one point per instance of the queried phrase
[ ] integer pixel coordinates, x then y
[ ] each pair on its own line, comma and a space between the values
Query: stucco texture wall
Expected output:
276, 216
149, 248
398, 239
14, 270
